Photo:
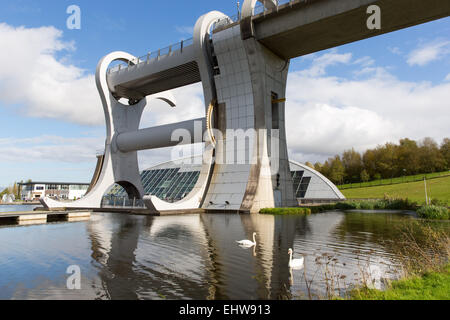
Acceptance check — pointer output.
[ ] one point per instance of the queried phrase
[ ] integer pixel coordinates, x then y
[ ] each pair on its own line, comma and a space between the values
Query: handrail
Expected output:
153, 55
259, 9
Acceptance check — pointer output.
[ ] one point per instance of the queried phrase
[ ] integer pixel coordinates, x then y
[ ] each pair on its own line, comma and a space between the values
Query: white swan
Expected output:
248, 243
295, 263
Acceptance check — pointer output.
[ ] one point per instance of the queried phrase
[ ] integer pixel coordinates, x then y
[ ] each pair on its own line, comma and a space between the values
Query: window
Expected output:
303, 187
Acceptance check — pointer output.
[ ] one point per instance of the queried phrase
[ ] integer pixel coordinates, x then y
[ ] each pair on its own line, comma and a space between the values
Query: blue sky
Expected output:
358, 95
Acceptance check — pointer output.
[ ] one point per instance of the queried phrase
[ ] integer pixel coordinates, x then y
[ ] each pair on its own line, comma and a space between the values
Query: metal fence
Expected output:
122, 202
153, 55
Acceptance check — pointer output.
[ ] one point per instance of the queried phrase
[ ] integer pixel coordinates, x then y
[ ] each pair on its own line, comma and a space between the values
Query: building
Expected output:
57, 190
172, 181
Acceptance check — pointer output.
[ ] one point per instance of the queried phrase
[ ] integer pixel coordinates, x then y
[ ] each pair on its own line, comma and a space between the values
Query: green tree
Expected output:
318, 166
365, 176
408, 157
337, 170
353, 165
430, 157
445, 151
386, 158
309, 164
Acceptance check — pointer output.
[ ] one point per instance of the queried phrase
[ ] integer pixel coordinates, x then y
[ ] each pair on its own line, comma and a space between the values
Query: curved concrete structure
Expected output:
320, 187
171, 180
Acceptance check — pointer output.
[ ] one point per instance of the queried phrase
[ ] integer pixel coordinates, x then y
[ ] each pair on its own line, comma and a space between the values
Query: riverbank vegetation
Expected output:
428, 286
424, 251
388, 161
433, 212
286, 211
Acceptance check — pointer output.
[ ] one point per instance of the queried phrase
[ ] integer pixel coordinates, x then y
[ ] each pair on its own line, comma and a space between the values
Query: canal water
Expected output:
196, 256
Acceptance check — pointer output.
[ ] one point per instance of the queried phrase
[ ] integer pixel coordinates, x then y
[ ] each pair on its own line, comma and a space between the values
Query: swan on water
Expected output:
295, 263
248, 243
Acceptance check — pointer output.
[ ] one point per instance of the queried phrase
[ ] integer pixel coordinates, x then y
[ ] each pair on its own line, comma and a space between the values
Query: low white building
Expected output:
57, 190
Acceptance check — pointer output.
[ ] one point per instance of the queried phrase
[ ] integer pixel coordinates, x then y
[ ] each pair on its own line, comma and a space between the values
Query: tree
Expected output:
318, 166
337, 170
445, 151
365, 176
386, 159
370, 162
309, 164
430, 157
408, 157
353, 165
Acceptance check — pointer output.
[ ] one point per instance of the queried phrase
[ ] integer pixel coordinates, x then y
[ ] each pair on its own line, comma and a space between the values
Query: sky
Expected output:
358, 95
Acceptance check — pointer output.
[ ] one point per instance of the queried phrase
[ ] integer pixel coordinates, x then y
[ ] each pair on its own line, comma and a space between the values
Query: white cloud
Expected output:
185, 29
395, 50
447, 78
320, 63
32, 77
429, 52
326, 115
49, 148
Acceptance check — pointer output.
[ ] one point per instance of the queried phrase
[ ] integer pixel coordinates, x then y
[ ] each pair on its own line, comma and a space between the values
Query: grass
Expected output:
286, 211
424, 252
428, 286
405, 179
433, 212
438, 188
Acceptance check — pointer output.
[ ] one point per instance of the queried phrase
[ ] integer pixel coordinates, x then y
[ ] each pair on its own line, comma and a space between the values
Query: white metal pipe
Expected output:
162, 136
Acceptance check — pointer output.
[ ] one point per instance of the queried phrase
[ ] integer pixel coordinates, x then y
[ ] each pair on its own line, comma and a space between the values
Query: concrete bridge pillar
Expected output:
250, 86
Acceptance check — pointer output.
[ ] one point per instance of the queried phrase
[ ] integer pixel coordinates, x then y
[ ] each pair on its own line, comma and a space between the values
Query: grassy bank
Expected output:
425, 212
433, 285
433, 212
438, 188
424, 252
405, 179
286, 211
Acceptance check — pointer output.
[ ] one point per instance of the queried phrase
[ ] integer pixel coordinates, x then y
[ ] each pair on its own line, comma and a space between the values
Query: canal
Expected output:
197, 257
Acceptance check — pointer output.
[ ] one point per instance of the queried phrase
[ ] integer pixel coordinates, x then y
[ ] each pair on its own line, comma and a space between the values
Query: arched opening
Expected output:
122, 194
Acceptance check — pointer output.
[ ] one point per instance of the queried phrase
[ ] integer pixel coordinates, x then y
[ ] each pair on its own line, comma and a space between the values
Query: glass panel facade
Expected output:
171, 185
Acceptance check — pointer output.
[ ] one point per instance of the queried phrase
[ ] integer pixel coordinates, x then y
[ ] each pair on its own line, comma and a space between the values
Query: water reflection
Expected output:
194, 256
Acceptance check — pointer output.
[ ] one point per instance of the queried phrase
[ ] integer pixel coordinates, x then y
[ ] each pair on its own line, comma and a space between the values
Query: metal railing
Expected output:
153, 55
122, 202
259, 9
178, 47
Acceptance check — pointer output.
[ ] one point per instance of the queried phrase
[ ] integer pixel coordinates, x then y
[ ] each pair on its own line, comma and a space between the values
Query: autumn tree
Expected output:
430, 157
445, 151
353, 165
337, 170
408, 157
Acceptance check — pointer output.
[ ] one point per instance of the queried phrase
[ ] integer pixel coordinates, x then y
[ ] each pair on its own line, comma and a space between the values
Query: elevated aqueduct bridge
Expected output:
243, 64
